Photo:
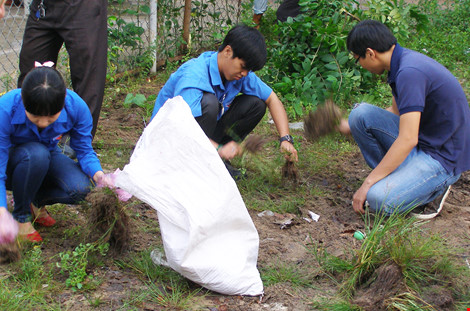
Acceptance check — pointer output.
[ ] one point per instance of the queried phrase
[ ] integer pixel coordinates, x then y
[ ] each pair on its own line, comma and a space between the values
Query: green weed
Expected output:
74, 263
282, 272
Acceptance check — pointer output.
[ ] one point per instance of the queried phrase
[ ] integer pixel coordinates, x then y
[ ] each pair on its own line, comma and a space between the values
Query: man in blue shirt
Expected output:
421, 144
211, 84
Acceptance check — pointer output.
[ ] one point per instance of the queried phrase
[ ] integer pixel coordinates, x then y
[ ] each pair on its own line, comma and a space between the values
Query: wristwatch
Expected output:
287, 138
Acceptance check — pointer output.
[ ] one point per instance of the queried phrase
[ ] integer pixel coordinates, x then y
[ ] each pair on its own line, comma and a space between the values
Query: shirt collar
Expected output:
394, 63
214, 71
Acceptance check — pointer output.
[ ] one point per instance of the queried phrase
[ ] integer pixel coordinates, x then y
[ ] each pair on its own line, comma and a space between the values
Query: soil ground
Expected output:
119, 130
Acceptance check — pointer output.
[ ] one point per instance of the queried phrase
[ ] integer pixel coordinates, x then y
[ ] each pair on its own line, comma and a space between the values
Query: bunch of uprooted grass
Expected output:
254, 143
108, 219
9, 252
322, 121
397, 267
289, 173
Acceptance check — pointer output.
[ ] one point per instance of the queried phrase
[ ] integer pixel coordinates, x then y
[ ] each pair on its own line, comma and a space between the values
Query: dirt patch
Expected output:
386, 282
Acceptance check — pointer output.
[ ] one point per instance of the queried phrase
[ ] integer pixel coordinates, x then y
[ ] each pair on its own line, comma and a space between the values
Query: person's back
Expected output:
423, 84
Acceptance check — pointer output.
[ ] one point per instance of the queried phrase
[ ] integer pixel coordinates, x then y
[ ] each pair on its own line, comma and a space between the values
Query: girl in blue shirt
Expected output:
32, 121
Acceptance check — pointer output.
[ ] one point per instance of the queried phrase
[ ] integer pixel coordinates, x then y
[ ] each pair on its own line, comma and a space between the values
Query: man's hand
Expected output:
229, 150
289, 150
359, 198
343, 127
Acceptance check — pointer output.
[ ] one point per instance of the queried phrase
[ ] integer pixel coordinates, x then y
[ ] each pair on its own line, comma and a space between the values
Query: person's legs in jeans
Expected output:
418, 180
374, 129
27, 166
65, 182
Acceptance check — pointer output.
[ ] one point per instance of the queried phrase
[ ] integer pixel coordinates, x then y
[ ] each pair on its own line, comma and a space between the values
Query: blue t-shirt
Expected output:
200, 75
16, 129
419, 83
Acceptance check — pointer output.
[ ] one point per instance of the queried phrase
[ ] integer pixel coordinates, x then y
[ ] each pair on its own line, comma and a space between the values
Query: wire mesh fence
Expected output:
140, 32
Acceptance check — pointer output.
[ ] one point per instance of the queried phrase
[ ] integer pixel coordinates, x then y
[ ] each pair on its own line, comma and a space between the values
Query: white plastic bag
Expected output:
208, 235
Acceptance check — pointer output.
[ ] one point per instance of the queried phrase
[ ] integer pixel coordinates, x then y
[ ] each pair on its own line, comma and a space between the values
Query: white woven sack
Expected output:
208, 235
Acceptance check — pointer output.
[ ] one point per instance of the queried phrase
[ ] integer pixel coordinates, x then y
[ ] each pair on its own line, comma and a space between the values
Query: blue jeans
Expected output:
260, 6
39, 176
418, 180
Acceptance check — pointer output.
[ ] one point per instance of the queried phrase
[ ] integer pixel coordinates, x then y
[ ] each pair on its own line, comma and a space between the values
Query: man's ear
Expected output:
372, 53
227, 51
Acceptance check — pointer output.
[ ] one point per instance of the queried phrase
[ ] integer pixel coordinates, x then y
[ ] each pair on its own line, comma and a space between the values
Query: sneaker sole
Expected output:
441, 204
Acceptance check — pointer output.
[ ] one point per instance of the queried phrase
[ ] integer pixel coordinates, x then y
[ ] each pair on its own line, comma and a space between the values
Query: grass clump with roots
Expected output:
400, 266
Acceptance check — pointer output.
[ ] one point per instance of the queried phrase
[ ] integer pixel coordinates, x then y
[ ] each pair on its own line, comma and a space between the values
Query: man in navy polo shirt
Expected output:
419, 146
226, 97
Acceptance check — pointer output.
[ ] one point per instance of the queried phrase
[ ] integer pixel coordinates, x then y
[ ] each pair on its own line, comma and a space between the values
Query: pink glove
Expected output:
108, 180
8, 227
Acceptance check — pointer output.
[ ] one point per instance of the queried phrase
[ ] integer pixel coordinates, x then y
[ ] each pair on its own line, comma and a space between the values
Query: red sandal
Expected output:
32, 237
45, 221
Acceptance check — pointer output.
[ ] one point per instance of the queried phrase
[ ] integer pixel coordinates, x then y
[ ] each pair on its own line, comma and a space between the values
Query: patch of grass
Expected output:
142, 264
175, 295
27, 283
422, 257
284, 272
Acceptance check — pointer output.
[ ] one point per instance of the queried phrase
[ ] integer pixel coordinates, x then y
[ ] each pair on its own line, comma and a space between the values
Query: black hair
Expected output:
247, 44
43, 92
370, 34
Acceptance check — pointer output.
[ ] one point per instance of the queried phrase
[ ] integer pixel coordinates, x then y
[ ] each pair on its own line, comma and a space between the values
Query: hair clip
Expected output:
45, 64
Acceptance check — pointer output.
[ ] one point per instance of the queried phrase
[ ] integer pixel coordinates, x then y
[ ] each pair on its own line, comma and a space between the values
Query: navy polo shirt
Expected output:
200, 75
419, 83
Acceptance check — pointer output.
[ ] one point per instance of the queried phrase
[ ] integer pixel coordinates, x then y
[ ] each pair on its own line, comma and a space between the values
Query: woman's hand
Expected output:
8, 226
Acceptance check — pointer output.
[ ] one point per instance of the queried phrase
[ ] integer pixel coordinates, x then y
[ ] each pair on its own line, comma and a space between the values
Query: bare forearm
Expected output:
278, 114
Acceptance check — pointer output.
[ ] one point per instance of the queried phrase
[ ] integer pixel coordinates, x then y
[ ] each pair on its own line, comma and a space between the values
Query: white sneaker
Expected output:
432, 209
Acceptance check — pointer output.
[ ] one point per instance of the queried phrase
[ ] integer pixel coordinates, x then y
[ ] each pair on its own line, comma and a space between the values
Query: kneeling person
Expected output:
421, 144
211, 85
32, 120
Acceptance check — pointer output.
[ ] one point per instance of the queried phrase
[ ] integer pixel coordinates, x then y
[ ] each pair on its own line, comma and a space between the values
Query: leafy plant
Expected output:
125, 39
402, 18
75, 263
141, 101
309, 61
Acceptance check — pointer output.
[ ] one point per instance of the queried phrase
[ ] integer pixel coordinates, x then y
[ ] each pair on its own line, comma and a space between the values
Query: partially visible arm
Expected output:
282, 124
2, 9
393, 108
407, 139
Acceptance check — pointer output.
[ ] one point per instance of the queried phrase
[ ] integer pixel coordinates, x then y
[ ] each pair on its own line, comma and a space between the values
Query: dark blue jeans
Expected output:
39, 176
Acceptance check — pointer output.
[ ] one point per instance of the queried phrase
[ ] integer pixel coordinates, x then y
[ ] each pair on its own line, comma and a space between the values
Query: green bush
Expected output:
309, 61
308, 58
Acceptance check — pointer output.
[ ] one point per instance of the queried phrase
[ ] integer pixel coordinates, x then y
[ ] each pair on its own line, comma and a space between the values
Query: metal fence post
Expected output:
153, 32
